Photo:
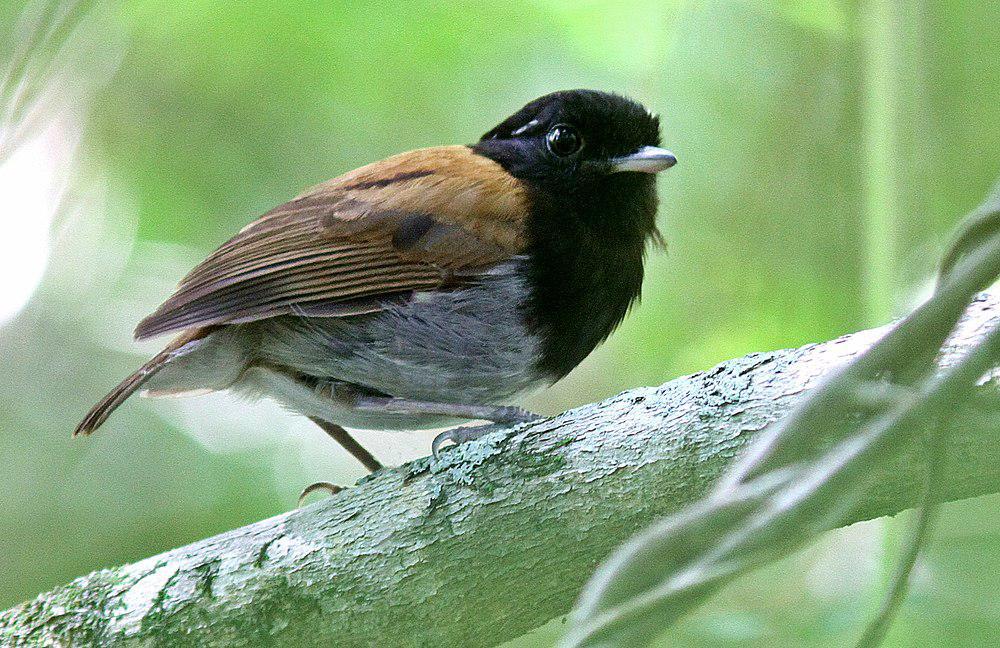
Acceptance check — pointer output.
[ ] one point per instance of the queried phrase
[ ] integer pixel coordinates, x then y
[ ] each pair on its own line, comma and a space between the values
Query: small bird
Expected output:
428, 288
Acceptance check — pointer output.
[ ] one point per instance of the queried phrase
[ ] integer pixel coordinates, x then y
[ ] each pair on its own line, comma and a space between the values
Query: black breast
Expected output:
585, 267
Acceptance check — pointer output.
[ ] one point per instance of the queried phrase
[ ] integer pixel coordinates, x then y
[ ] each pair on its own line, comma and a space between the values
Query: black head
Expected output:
578, 140
589, 159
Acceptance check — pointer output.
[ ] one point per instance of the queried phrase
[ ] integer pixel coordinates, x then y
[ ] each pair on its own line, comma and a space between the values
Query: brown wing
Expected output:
411, 222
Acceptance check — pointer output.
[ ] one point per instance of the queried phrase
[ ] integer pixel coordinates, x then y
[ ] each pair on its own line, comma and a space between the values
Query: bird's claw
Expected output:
460, 435
330, 487
506, 415
444, 437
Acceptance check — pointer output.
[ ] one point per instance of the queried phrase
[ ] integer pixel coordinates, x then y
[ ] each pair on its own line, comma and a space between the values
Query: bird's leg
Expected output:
349, 443
457, 436
366, 401
495, 413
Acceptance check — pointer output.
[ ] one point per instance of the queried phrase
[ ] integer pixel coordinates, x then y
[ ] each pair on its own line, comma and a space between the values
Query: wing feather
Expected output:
349, 243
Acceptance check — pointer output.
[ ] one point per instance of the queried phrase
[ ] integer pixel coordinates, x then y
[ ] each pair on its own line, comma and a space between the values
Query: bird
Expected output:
432, 287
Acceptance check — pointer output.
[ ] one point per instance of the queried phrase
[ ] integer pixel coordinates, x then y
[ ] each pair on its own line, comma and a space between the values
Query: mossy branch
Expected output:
496, 537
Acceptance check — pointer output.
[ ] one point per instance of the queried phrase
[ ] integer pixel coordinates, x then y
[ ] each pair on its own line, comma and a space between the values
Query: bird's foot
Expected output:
459, 435
329, 487
502, 416
499, 414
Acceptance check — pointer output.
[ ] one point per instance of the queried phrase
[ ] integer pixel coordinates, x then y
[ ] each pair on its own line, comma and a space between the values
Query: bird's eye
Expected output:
563, 140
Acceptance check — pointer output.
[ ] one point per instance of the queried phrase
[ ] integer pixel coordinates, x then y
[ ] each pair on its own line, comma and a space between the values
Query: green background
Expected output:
827, 149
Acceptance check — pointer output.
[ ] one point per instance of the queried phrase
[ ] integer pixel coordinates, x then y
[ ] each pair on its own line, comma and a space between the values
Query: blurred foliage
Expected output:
807, 472
817, 140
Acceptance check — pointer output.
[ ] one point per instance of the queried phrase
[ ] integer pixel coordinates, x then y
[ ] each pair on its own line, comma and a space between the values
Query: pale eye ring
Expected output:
563, 140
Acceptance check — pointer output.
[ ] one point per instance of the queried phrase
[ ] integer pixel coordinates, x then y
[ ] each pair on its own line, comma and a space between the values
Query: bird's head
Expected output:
576, 139
595, 152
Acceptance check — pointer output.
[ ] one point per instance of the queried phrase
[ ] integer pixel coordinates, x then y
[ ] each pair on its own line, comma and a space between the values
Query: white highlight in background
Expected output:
31, 191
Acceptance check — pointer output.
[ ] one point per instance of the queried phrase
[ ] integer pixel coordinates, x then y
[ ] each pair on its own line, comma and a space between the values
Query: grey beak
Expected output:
648, 159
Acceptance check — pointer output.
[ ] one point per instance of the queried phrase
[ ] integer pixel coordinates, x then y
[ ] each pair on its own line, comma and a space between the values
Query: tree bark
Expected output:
497, 536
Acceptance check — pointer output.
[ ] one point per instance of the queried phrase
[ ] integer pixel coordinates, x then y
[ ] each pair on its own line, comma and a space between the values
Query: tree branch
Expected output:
498, 536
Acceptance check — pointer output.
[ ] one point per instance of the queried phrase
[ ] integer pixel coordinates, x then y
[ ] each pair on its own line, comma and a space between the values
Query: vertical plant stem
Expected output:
892, 32
881, 31
882, 36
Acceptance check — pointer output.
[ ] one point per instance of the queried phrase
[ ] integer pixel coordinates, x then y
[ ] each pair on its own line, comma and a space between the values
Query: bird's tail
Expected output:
181, 346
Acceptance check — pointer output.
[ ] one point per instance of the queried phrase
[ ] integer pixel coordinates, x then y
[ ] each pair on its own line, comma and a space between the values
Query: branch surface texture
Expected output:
497, 536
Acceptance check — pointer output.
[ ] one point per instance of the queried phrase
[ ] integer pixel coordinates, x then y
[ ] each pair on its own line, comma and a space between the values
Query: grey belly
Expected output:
468, 345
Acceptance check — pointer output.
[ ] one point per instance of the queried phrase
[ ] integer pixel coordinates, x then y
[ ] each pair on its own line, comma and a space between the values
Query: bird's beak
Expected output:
648, 159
